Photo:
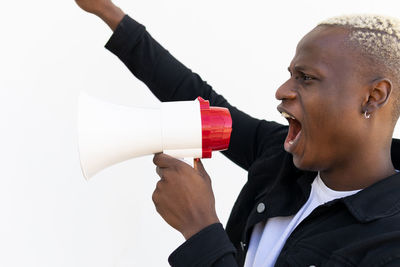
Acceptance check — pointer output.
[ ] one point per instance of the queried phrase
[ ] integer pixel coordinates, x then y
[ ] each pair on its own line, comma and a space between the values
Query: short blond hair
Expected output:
378, 37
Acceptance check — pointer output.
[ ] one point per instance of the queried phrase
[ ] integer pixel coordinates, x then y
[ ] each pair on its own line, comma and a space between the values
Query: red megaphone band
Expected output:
216, 124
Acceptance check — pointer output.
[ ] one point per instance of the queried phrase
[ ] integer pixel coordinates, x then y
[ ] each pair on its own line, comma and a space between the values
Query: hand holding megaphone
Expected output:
183, 196
109, 133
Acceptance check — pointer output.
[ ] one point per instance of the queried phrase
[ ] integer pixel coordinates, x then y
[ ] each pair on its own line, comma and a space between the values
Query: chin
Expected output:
306, 164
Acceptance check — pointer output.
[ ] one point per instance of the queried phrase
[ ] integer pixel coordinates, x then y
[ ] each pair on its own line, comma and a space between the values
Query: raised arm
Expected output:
170, 80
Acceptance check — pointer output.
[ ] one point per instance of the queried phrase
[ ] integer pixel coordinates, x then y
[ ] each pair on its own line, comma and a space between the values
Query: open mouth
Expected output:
294, 131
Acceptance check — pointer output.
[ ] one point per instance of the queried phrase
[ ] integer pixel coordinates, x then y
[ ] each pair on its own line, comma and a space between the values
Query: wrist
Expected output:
111, 15
195, 228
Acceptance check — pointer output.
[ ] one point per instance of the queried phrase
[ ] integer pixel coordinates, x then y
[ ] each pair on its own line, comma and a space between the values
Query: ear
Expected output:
378, 95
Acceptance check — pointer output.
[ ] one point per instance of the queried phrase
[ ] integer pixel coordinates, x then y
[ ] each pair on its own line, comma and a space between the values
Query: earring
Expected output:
367, 116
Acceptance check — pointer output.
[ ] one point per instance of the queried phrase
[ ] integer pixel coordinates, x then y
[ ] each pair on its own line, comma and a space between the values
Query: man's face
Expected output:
324, 94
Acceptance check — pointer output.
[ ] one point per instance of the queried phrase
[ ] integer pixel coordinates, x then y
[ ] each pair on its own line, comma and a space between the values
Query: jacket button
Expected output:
242, 245
260, 207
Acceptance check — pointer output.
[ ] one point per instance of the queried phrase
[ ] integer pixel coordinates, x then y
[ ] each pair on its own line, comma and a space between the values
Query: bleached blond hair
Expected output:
378, 37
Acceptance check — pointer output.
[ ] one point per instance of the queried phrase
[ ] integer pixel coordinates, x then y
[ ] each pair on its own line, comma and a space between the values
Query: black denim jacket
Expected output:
359, 230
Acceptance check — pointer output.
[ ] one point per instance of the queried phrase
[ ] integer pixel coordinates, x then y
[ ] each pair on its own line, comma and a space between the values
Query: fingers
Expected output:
163, 160
165, 164
171, 168
157, 194
198, 165
158, 171
164, 173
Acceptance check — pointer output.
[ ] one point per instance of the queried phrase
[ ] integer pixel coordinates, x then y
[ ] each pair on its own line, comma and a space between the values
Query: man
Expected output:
323, 191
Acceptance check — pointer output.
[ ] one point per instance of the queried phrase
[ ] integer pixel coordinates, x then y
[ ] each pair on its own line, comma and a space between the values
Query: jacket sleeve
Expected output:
209, 247
170, 80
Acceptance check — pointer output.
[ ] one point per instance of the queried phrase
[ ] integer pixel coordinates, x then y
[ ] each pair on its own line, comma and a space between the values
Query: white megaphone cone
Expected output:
109, 133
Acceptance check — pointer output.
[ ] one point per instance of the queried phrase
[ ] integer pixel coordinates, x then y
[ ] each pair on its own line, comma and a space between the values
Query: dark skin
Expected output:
104, 9
183, 196
328, 93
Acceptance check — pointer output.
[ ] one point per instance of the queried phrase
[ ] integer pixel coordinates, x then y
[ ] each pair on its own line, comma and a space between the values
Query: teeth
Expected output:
287, 116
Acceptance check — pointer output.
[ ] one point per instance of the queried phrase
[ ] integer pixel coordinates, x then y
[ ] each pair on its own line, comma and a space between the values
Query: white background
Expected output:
51, 50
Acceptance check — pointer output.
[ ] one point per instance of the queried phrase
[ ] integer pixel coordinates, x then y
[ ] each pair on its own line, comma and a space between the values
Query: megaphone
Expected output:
110, 133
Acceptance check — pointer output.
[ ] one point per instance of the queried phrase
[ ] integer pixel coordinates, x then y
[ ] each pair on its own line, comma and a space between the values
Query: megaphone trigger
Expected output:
195, 163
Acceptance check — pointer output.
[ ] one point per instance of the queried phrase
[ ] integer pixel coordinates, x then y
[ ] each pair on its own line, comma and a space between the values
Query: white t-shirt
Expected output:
267, 239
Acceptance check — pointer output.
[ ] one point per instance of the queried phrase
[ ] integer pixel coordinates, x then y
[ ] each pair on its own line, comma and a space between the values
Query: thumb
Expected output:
198, 166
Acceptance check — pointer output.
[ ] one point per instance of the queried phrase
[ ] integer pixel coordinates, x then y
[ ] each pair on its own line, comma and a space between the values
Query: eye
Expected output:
306, 77
301, 75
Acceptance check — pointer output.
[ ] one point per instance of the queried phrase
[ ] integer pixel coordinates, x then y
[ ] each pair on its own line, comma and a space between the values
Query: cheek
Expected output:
318, 118
330, 112
331, 134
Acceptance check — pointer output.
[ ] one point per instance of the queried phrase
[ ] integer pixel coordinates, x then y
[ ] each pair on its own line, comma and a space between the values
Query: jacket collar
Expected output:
381, 199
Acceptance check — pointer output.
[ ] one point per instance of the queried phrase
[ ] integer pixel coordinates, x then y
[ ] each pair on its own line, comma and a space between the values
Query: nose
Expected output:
286, 91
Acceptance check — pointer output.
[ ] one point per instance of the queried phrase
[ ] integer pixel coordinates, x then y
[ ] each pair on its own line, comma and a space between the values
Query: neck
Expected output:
360, 172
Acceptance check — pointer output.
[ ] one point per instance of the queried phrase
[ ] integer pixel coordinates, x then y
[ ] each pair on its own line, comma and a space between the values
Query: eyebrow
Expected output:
304, 68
